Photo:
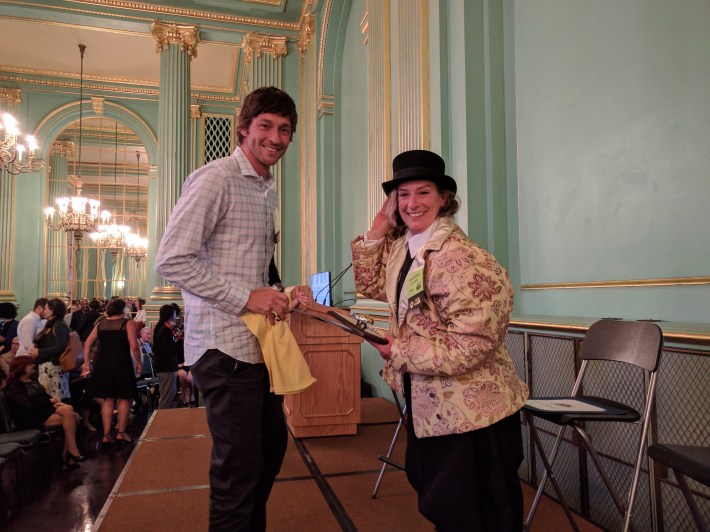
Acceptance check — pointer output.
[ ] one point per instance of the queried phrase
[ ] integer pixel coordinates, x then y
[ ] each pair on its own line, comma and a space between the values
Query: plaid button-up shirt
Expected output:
216, 248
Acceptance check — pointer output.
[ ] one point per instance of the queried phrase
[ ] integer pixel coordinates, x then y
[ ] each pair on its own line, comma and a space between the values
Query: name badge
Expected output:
415, 287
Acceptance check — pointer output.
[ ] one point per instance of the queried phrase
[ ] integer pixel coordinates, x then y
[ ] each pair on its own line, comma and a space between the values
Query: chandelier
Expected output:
12, 151
76, 214
111, 236
136, 245
73, 215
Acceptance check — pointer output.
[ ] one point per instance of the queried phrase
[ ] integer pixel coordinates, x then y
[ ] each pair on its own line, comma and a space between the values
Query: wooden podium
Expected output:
331, 407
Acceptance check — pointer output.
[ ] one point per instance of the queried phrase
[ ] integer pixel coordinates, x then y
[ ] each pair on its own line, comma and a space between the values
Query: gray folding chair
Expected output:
685, 460
147, 383
632, 342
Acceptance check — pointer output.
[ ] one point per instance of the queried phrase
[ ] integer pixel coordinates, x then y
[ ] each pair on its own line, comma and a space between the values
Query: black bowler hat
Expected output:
415, 165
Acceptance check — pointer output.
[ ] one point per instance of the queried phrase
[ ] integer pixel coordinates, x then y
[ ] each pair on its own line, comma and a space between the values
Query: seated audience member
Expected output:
6, 358
8, 325
32, 408
145, 341
140, 313
51, 342
167, 342
30, 325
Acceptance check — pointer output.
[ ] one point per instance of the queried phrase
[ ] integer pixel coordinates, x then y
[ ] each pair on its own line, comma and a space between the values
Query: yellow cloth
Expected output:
288, 370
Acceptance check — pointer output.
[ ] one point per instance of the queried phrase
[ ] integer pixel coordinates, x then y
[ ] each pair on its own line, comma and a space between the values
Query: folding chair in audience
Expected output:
685, 460
29, 441
147, 382
607, 341
387, 458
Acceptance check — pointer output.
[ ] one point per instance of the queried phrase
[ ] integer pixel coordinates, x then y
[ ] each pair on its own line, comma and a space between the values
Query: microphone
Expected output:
337, 279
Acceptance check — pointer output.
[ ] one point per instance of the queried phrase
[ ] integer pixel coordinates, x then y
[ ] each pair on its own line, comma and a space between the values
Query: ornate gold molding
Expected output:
98, 104
326, 104
307, 31
621, 283
195, 111
365, 27
257, 44
10, 95
165, 34
64, 147
321, 52
152, 7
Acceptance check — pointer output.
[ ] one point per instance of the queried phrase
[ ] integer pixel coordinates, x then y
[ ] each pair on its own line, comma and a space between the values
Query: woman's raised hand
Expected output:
380, 225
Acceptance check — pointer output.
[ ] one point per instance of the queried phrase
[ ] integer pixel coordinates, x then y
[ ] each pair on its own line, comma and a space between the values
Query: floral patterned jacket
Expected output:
453, 346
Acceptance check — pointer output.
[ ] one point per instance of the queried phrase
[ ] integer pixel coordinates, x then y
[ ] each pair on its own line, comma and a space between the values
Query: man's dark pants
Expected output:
249, 439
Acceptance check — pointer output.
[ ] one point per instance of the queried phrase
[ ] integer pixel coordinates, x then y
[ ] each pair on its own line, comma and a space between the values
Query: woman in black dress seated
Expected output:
33, 408
113, 377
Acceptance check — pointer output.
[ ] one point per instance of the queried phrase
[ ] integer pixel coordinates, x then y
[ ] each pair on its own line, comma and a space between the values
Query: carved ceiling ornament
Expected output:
257, 44
10, 95
98, 104
307, 31
64, 147
165, 33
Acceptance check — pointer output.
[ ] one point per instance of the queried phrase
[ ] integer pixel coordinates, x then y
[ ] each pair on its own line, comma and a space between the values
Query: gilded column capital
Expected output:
63, 147
307, 30
166, 33
8, 95
257, 44
195, 110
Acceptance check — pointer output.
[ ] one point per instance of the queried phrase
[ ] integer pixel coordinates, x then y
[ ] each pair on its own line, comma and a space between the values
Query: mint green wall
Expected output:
612, 118
354, 141
290, 183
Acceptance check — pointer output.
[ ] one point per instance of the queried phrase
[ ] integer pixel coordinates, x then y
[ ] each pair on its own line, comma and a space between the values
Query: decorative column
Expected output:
376, 29
9, 100
263, 64
307, 146
177, 46
57, 249
412, 76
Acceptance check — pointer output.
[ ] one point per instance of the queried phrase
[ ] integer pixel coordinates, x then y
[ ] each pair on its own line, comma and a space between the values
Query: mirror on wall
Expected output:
106, 161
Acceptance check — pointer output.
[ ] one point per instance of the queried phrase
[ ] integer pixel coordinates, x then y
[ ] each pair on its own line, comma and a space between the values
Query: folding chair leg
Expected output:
386, 459
548, 474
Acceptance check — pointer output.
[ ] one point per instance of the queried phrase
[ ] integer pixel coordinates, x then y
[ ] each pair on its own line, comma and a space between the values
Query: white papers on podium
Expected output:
563, 405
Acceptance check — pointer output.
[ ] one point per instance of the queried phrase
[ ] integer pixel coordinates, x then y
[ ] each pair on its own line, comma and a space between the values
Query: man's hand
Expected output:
268, 302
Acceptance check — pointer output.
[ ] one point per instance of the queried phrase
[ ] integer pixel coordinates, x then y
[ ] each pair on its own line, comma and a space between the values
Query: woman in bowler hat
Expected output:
450, 304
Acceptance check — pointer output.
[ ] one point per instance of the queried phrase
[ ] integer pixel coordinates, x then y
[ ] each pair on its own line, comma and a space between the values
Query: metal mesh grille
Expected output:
682, 416
553, 371
566, 466
603, 511
622, 383
683, 413
516, 348
218, 137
